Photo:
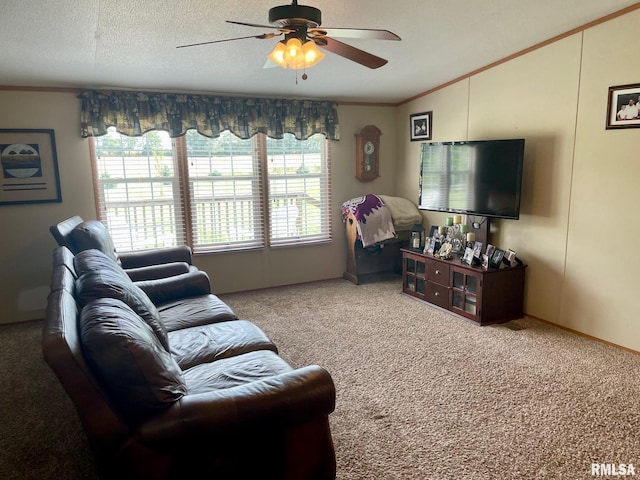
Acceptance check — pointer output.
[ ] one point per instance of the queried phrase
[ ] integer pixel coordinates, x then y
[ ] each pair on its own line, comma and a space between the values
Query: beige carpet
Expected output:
425, 395
420, 394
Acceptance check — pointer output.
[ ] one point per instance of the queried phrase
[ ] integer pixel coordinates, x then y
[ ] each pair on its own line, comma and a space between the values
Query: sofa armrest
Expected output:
290, 398
153, 272
155, 256
163, 290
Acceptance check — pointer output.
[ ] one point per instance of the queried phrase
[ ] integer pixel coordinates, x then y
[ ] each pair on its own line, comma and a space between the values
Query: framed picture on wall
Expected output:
29, 167
420, 125
623, 108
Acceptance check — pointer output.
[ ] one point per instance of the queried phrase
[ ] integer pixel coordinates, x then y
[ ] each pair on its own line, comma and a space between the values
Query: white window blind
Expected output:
213, 194
138, 189
225, 192
299, 193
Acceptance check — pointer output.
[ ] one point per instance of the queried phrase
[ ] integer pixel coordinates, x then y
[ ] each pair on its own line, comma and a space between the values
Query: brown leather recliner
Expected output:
77, 235
185, 400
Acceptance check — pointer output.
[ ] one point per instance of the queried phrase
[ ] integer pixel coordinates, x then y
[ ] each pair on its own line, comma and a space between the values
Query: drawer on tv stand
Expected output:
437, 272
437, 294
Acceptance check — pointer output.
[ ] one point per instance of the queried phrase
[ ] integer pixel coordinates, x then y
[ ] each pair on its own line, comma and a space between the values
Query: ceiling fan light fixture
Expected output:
294, 54
312, 55
277, 55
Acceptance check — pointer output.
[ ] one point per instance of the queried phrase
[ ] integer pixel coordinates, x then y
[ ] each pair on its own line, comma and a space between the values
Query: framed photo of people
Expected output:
489, 251
623, 110
431, 245
420, 125
477, 250
496, 258
468, 256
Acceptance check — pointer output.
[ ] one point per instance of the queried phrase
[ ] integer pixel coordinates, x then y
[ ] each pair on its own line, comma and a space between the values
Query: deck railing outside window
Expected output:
210, 193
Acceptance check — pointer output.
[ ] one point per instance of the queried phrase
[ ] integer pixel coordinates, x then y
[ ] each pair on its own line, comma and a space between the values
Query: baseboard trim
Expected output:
582, 334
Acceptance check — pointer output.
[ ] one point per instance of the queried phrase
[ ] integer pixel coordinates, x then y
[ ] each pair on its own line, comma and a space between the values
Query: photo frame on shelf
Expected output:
29, 167
468, 256
431, 245
623, 106
496, 258
433, 231
485, 260
489, 251
477, 250
420, 126
509, 256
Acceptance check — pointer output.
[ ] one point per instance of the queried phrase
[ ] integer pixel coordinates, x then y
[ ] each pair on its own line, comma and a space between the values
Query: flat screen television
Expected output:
482, 177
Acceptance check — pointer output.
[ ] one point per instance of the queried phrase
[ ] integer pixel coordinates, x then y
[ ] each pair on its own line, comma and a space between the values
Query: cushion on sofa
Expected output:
234, 371
194, 311
134, 367
99, 284
92, 234
93, 259
208, 343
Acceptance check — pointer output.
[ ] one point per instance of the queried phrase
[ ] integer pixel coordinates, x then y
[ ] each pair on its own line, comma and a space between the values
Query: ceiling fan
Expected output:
300, 26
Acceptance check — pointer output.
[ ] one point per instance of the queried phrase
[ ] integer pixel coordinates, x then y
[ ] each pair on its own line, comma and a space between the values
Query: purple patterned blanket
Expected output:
373, 219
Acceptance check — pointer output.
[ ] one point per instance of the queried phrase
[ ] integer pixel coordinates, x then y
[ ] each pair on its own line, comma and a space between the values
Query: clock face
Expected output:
369, 148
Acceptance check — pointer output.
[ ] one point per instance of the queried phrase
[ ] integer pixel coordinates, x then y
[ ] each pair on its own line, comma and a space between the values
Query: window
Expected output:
214, 194
298, 190
139, 190
225, 189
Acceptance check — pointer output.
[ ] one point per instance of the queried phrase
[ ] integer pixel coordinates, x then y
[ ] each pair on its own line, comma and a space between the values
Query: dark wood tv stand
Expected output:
484, 296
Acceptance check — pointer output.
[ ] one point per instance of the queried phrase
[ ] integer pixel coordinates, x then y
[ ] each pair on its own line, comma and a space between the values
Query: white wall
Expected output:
579, 179
600, 287
25, 256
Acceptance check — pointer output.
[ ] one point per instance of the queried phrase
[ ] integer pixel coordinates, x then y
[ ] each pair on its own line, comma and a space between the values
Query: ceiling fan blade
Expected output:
261, 37
349, 52
364, 33
283, 30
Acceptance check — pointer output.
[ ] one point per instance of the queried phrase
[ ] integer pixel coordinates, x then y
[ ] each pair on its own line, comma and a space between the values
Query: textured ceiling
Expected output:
132, 44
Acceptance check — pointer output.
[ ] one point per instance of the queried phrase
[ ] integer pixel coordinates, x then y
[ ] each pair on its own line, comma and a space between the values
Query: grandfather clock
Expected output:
368, 153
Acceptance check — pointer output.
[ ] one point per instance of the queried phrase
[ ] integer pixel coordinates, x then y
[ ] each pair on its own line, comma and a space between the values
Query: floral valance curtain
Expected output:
135, 113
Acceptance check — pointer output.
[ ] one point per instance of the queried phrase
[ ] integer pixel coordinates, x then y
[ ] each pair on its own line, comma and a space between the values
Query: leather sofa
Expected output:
169, 383
77, 235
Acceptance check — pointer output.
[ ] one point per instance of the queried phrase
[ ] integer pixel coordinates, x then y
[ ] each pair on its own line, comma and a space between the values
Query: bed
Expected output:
376, 227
